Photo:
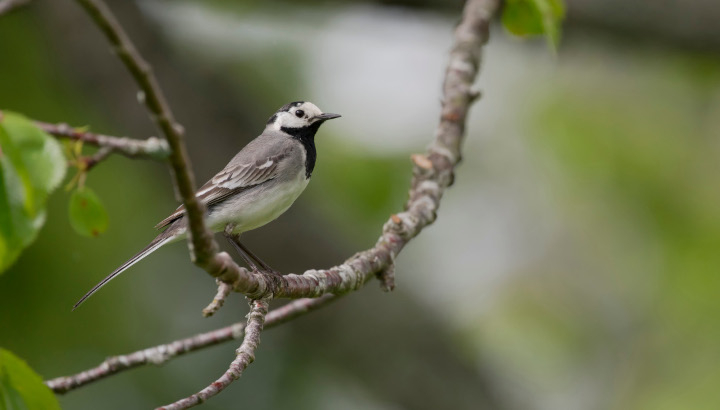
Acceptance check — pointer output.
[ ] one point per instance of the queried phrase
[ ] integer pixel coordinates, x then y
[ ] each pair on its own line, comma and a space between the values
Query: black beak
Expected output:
327, 116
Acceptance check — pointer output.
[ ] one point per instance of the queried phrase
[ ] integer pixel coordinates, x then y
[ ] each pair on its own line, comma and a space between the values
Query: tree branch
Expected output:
92, 160
162, 353
203, 248
245, 355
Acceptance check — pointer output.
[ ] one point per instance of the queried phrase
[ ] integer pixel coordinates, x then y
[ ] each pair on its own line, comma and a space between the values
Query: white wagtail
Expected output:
254, 188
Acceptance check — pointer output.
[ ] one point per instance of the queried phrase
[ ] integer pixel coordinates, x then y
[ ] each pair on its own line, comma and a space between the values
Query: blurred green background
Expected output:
574, 263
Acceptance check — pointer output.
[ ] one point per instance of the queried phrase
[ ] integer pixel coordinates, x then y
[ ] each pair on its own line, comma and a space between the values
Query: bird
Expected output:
258, 185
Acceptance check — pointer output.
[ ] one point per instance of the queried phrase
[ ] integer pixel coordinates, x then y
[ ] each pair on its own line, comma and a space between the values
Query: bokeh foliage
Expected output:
534, 17
21, 388
31, 167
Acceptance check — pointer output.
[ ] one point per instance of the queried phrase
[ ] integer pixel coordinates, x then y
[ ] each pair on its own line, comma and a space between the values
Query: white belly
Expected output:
256, 209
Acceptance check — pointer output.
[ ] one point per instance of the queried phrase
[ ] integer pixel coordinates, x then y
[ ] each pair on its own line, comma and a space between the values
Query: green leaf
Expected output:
87, 214
31, 166
534, 17
21, 388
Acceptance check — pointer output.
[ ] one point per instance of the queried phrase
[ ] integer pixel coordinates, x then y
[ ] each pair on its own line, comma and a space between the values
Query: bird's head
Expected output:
299, 115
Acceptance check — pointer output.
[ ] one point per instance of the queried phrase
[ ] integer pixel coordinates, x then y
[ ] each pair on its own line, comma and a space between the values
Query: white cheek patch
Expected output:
294, 122
290, 120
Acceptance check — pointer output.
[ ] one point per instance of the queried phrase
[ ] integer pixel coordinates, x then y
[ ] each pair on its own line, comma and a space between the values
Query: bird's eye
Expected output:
299, 113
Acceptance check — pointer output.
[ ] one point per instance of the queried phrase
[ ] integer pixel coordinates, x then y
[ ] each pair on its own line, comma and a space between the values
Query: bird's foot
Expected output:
273, 272
267, 271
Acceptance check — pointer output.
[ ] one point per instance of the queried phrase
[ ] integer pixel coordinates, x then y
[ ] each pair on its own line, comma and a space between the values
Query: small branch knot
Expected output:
387, 278
422, 161
224, 290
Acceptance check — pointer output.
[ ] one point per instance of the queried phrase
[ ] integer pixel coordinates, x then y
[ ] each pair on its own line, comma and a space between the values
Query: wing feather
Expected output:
233, 179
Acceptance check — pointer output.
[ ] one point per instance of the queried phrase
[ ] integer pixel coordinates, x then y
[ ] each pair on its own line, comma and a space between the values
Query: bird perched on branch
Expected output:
254, 188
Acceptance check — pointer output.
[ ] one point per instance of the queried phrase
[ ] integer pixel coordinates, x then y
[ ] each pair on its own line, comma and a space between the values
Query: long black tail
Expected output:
161, 240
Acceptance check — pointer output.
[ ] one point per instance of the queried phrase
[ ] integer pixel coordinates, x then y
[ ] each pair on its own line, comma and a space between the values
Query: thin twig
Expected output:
223, 291
7, 6
152, 147
245, 355
99, 156
203, 248
162, 353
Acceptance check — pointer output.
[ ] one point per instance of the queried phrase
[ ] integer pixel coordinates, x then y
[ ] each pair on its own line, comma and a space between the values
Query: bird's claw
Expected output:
271, 272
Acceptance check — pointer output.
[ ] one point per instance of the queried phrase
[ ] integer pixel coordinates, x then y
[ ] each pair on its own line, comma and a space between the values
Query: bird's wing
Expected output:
237, 176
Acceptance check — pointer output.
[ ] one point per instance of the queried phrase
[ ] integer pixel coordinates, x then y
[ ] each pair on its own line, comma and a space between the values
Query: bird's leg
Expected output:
245, 253
265, 266
245, 257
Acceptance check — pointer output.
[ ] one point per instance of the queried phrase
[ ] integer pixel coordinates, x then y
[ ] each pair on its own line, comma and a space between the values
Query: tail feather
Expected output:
161, 240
